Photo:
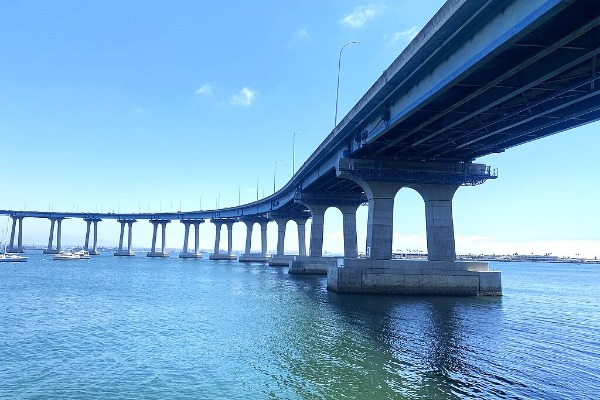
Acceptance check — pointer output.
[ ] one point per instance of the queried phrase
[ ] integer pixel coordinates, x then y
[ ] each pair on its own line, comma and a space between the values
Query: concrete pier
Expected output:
312, 265
94, 250
11, 246
163, 249
413, 277
185, 253
217, 255
129, 252
261, 257
57, 249
347, 203
441, 274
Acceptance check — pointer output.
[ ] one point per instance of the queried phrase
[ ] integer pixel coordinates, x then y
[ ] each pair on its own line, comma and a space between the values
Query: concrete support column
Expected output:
58, 235
154, 232
281, 224
229, 238
20, 238
381, 217
301, 237
263, 238
130, 235
121, 236
196, 237
349, 230
95, 248
186, 235
249, 225
51, 236
12, 234
87, 235
439, 222
164, 237
316, 230
217, 236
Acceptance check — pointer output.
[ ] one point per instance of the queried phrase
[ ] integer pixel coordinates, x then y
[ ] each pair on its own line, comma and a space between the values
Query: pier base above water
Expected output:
412, 277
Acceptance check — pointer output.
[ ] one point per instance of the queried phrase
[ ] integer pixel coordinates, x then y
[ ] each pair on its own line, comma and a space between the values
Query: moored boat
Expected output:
83, 254
66, 255
7, 257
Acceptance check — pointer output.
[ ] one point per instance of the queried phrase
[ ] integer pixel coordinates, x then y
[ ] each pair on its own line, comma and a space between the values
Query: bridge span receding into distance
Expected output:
480, 78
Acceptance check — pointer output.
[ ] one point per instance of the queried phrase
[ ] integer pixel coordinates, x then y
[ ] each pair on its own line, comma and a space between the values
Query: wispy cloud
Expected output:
302, 34
405, 36
362, 14
245, 97
139, 110
205, 90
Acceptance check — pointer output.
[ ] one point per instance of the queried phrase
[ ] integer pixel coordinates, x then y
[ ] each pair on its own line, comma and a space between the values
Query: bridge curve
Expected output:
480, 78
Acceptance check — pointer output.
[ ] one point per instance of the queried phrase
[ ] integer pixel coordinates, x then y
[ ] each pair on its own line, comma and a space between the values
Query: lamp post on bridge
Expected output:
337, 91
257, 179
294, 150
274, 172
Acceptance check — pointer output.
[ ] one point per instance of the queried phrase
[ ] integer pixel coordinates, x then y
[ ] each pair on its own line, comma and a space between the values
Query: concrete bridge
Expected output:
480, 78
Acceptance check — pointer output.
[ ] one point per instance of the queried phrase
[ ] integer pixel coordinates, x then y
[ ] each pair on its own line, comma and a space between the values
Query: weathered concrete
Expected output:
439, 222
254, 257
312, 265
222, 257
349, 230
281, 260
190, 255
157, 254
413, 277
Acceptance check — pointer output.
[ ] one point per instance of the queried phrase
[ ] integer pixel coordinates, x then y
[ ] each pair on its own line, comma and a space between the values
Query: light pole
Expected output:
294, 150
240, 195
337, 91
257, 179
274, 172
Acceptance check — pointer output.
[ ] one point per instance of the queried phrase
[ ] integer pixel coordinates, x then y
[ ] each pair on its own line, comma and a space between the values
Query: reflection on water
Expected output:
146, 328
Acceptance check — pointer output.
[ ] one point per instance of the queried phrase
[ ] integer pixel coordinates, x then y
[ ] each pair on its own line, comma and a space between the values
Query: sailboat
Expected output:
6, 257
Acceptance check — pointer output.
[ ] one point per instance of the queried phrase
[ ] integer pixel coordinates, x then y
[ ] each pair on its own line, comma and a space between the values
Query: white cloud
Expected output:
406, 35
302, 34
362, 14
205, 90
245, 97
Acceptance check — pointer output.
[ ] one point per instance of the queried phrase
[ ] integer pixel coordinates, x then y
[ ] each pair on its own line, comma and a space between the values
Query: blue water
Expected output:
139, 328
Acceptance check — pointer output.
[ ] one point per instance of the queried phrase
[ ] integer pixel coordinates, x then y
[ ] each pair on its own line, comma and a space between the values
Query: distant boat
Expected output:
66, 255
12, 258
84, 255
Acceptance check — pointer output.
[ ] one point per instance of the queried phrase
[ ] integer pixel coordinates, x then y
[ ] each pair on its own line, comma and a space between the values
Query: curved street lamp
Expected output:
337, 91
294, 150
274, 172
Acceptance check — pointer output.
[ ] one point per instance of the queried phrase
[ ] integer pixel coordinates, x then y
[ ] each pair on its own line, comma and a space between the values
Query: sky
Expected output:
156, 106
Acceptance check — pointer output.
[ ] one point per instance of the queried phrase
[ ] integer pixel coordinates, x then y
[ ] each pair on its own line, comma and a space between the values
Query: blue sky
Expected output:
147, 105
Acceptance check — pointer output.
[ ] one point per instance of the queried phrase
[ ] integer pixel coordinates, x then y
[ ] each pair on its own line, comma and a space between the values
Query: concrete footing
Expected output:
157, 254
190, 255
258, 258
124, 253
51, 251
413, 277
312, 265
281, 260
11, 250
94, 253
222, 257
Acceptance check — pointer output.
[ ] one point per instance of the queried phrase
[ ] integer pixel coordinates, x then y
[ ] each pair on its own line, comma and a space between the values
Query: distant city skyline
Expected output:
132, 106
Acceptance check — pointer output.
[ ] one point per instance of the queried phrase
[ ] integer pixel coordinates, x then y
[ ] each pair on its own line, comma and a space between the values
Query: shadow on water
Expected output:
369, 346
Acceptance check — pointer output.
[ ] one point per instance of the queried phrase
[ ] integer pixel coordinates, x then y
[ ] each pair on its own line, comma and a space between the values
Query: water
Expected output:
139, 328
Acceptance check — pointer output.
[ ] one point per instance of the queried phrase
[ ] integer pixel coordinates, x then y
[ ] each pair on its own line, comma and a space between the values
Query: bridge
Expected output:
481, 77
